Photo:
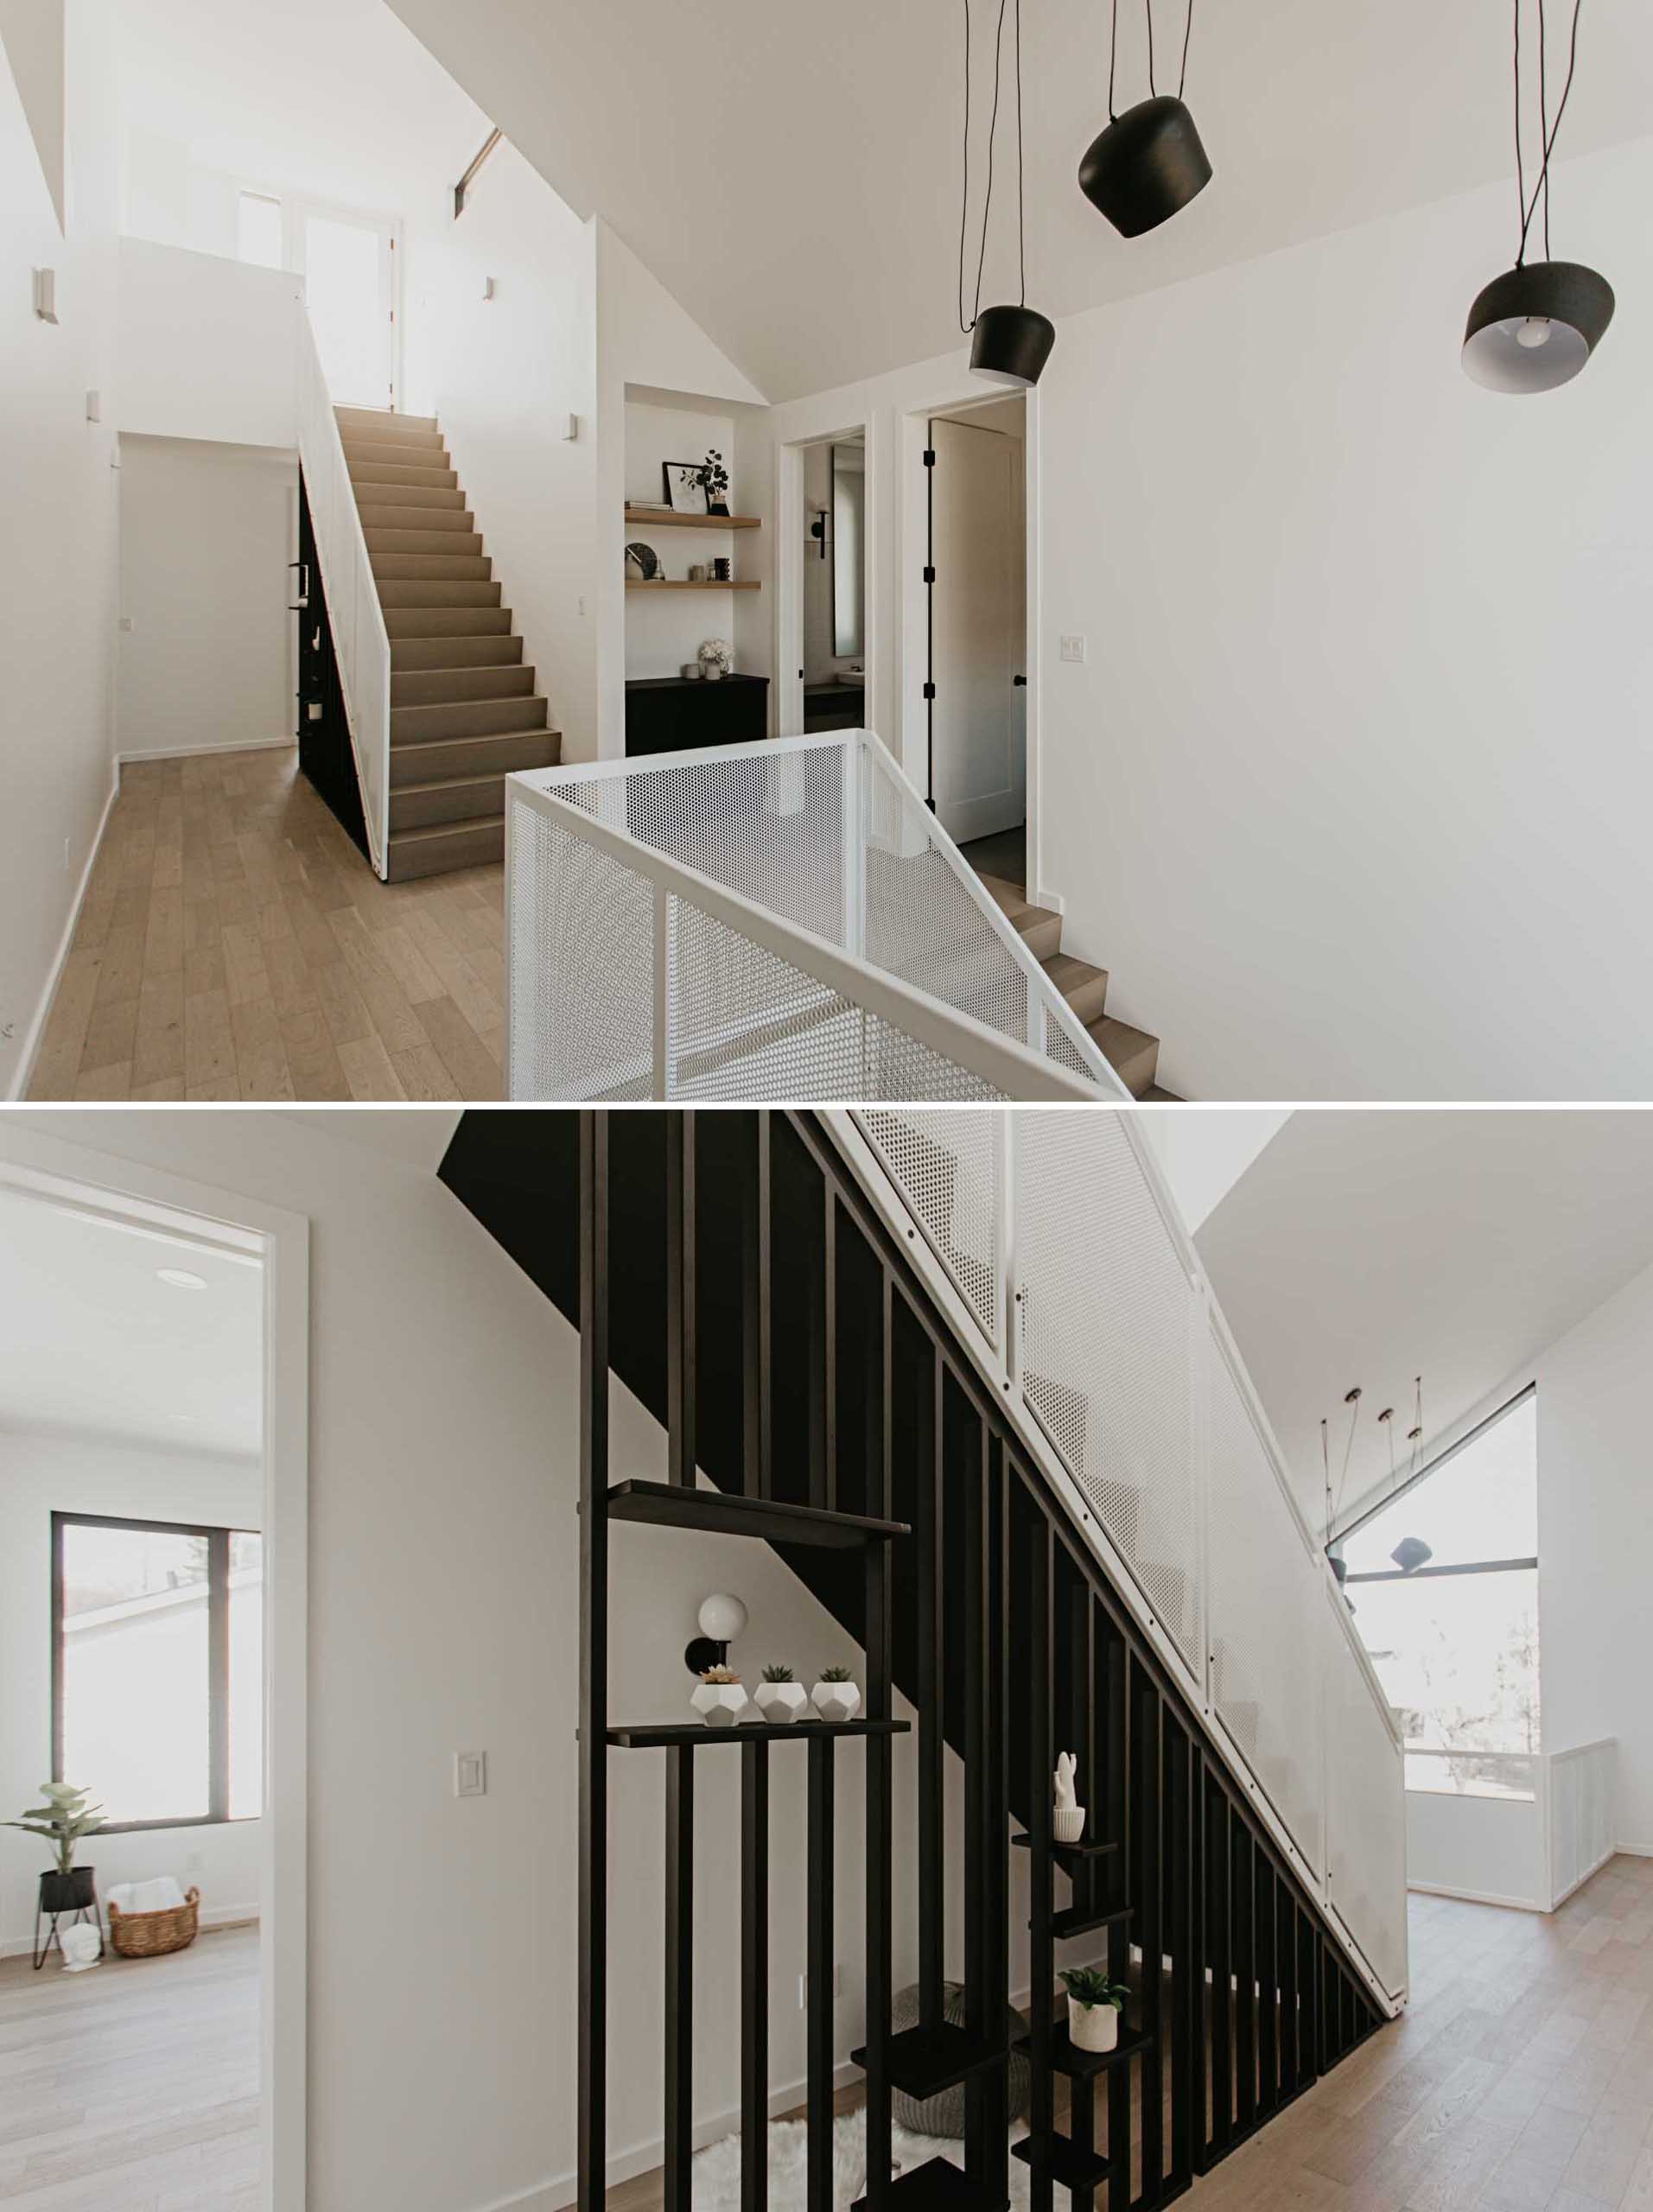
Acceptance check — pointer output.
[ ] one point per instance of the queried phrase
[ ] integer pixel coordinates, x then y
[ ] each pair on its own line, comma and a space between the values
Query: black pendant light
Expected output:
1010, 345
1149, 162
1536, 326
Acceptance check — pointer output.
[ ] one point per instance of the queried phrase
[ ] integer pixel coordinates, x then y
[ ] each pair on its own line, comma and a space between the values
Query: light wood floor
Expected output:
134, 2088
1520, 2079
234, 944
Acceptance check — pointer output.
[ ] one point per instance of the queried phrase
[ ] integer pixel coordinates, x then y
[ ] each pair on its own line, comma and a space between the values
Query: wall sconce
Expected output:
721, 1619
46, 295
818, 530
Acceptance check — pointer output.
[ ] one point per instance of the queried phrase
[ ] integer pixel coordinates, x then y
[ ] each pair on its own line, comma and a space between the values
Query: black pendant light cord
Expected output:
1182, 79
1550, 131
993, 132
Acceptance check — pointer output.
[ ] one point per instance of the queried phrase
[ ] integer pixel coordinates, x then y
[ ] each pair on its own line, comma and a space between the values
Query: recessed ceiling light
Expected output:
181, 1279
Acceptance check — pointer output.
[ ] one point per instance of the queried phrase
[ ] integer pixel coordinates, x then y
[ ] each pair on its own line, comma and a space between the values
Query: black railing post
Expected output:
821, 1970
755, 1976
591, 2088
1041, 1760
879, 1793
681, 1355
930, 1467
679, 1977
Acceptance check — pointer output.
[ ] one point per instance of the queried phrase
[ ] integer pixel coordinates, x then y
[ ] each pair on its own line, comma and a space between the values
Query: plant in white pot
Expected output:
1094, 2007
720, 1701
837, 1696
780, 1699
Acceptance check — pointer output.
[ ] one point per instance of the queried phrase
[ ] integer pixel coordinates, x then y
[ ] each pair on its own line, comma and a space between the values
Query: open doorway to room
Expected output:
349, 261
835, 584
136, 1895
975, 577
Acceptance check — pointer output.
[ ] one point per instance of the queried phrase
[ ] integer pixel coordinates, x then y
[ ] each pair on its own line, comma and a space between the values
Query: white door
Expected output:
978, 637
349, 287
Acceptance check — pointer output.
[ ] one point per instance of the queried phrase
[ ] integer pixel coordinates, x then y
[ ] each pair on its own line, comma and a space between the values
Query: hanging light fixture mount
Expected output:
1149, 162
1009, 345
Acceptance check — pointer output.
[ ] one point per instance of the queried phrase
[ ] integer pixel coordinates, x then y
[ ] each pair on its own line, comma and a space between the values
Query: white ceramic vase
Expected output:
720, 1705
1092, 2027
836, 1700
1067, 1823
781, 1703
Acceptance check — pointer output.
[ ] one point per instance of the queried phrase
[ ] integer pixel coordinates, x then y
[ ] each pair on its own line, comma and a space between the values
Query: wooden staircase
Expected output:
464, 709
1133, 1054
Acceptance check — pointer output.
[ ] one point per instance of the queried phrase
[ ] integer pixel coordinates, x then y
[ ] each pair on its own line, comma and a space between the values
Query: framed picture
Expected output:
685, 495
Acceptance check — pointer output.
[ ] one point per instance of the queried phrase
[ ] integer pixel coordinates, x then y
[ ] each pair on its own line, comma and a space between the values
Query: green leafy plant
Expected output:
837, 1673
61, 1820
777, 1674
1089, 1987
720, 1675
716, 478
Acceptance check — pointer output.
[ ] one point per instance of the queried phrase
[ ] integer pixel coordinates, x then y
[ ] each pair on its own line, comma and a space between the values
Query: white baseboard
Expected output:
25, 1070
211, 1917
1633, 1850
233, 745
1475, 1896
1052, 901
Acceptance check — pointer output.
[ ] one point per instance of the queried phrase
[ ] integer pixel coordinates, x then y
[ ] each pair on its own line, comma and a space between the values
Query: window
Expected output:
260, 229
157, 1675
1455, 1643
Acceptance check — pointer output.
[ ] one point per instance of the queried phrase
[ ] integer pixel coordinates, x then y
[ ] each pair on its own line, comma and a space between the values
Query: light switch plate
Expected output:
470, 1774
1073, 649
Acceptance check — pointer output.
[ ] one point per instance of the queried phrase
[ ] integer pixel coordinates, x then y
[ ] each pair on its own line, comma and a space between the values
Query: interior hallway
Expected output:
235, 945
134, 2086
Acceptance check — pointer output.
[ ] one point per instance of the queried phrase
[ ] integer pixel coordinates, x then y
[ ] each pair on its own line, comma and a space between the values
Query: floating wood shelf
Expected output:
1066, 2057
678, 583
923, 2061
1077, 1921
1062, 2160
694, 1735
936, 2186
1069, 1854
726, 1513
668, 519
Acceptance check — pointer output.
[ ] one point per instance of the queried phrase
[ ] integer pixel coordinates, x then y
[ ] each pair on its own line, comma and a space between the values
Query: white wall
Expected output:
208, 346
1203, 1152
662, 633
43, 1475
57, 555
206, 533
504, 375
1351, 781
1487, 1847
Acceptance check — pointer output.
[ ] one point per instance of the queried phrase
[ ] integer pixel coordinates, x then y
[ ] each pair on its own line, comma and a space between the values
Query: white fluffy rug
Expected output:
717, 2169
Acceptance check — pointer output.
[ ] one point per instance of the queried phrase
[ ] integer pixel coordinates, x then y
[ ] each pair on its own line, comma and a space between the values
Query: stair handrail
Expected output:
1007, 1069
361, 639
995, 1352
1058, 1059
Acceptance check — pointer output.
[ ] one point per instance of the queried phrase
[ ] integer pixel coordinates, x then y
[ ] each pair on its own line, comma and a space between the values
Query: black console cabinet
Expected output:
675, 714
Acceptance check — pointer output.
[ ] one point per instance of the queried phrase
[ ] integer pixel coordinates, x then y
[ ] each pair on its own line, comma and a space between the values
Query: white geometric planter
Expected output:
720, 1705
1092, 2027
781, 1703
1067, 1824
836, 1702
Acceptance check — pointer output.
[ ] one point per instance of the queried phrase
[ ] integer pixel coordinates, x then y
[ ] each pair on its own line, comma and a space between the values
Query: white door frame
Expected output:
790, 557
75, 1176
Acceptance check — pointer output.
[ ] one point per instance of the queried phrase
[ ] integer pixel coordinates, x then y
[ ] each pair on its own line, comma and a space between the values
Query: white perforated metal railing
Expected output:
361, 642
1581, 1794
1053, 1241
777, 921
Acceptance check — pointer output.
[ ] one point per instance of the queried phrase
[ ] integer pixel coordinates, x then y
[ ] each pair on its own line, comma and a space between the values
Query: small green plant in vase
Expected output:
716, 478
836, 1696
61, 1821
720, 1701
1094, 2007
782, 1700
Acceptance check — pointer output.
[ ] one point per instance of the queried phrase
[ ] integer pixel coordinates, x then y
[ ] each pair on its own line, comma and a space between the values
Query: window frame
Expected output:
218, 1662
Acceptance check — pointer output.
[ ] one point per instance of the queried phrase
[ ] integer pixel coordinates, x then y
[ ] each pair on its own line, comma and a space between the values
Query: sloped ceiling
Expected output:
790, 172
1369, 1248
31, 31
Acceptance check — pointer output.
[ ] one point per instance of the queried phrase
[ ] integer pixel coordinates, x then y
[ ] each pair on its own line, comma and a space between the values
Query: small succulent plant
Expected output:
1089, 1987
837, 1673
777, 1674
720, 1675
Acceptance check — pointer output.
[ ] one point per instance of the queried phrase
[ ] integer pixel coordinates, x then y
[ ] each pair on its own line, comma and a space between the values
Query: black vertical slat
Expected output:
969, 1490
1219, 1862
1042, 1758
1182, 1810
754, 1294
679, 1977
1291, 2079
681, 1356
1121, 1826
1204, 2000
1078, 1678
593, 1966
821, 1971
1149, 1925
880, 1818
1245, 1970
829, 1496
1268, 2037
995, 2113
1309, 2034
754, 1977
816, 1332
930, 1461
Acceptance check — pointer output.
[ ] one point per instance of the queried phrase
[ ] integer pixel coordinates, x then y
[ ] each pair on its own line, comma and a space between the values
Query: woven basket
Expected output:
151, 1935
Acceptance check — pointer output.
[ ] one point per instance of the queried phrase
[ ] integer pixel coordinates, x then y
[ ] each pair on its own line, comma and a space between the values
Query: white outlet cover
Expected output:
470, 1774
1073, 649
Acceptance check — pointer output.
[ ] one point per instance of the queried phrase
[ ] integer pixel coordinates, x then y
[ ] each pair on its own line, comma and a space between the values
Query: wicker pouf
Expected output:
943, 2115
151, 1935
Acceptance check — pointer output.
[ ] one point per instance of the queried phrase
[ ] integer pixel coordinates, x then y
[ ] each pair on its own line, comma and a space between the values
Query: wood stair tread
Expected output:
1131, 1053
427, 831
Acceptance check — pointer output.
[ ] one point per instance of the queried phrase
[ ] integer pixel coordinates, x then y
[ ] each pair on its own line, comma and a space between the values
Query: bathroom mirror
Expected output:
848, 550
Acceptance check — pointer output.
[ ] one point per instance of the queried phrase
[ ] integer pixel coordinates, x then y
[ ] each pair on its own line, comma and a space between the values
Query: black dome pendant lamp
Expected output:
1148, 163
1009, 345
1535, 327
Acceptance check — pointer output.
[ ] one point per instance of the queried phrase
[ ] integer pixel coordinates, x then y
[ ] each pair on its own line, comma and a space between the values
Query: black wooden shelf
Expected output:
1067, 2058
653, 1736
937, 2186
1070, 1854
1079, 1920
728, 1513
923, 2061
1062, 2159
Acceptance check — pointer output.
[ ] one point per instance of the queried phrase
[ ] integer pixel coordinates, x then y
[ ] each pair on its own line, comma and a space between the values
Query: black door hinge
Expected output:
930, 458
930, 575
929, 690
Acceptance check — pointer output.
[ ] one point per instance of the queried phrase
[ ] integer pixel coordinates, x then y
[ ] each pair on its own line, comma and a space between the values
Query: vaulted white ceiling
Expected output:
1369, 1248
791, 171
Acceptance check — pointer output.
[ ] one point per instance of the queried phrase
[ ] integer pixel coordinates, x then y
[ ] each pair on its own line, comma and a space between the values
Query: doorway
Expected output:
834, 673
349, 263
975, 577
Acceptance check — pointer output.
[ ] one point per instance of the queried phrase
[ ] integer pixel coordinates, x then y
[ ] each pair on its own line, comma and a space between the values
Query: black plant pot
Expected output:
75, 1891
